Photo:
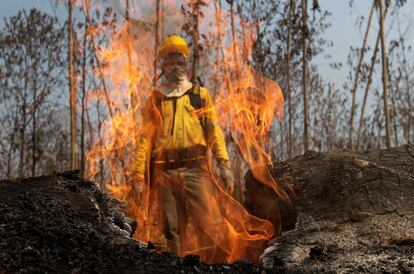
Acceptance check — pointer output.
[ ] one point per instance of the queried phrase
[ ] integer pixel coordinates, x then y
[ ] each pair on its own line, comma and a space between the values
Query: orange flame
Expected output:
246, 101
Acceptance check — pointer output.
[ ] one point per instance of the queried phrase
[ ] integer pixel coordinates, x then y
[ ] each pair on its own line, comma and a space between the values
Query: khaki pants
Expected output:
187, 194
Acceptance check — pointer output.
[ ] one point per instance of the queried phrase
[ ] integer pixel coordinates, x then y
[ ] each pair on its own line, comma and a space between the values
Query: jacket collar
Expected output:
175, 90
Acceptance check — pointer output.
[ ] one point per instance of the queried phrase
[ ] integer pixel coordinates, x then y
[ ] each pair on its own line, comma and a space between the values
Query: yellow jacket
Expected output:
175, 124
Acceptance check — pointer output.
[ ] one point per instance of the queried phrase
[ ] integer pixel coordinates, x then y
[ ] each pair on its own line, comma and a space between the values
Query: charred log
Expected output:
63, 224
349, 212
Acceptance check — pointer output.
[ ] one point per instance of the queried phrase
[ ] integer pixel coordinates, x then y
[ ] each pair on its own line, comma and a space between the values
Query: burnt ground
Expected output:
349, 212
376, 245
62, 224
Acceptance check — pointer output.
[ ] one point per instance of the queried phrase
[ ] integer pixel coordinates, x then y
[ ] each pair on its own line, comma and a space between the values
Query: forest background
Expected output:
345, 68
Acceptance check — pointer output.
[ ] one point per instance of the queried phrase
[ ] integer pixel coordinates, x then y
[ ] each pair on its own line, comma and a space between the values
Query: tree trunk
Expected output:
22, 137
195, 16
367, 87
217, 48
34, 132
157, 42
289, 90
369, 82
379, 126
82, 145
305, 74
384, 74
409, 106
407, 89
218, 8
245, 57
101, 165
72, 93
133, 86
328, 118
12, 144
233, 36
394, 108
89, 123
282, 141
357, 72
410, 119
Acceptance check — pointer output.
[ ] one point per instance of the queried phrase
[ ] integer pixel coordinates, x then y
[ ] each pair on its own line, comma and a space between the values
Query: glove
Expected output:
136, 191
226, 175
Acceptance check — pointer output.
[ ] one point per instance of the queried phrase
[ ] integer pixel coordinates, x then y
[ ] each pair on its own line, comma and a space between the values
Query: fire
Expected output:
247, 104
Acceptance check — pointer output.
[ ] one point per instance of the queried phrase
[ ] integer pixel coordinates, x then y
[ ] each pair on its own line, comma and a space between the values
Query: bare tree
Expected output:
304, 74
72, 91
384, 73
157, 40
369, 83
83, 100
233, 35
367, 88
356, 79
31, 59
404, 73
288, 85
270, 54
195, 14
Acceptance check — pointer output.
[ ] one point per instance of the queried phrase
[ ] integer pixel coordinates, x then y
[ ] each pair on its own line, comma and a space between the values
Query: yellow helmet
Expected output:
174, 43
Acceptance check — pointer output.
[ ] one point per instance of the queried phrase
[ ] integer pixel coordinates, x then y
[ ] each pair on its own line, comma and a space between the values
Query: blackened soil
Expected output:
62, 224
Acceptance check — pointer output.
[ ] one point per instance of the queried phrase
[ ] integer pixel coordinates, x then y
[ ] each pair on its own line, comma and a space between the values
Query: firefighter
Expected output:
179, 123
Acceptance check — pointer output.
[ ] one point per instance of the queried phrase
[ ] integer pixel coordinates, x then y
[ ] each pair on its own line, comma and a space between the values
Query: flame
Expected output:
247, 103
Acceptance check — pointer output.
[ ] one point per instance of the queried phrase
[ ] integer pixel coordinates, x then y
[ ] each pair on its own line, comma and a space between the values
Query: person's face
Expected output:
174, 66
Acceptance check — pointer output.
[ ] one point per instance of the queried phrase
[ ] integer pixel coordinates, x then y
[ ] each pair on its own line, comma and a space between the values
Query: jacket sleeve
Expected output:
215, 133
143, 154
142, 158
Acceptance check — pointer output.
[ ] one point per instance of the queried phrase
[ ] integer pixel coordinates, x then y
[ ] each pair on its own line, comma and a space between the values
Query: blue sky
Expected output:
343, 32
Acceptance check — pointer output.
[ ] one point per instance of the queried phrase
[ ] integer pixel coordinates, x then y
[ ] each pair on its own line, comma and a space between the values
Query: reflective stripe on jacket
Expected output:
180, 128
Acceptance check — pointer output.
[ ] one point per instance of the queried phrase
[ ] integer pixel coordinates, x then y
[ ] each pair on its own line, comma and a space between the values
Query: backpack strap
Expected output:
197, 102
195, 97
